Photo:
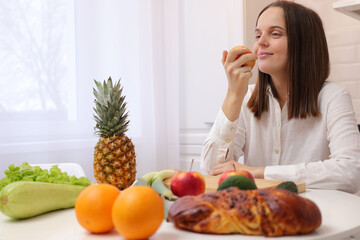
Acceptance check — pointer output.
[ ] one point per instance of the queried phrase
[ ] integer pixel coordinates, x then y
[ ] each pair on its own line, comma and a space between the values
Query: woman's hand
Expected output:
237, 72
238, 75
257, 172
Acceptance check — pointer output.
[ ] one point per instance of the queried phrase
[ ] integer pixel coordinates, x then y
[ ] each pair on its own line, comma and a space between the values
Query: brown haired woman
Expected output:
292, 125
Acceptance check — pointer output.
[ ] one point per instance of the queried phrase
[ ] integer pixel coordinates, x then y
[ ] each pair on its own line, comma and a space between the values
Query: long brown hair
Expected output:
308, 63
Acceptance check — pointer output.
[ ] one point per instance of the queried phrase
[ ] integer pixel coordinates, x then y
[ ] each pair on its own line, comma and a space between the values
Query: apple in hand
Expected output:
236, 173
187, 183
250, 63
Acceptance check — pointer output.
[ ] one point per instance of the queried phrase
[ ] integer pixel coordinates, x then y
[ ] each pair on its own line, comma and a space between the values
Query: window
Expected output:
37, 68
52, 50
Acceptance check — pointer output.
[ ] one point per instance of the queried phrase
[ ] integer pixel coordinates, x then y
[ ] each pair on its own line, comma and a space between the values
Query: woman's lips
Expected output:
262, 55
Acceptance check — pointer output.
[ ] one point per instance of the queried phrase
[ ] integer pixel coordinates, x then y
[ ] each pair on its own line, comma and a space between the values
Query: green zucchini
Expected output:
27, 199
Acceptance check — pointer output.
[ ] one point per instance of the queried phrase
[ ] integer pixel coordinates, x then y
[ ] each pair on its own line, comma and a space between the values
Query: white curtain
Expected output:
46, 115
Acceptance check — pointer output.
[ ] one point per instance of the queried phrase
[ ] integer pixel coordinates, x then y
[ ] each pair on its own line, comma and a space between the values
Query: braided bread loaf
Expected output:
269, 212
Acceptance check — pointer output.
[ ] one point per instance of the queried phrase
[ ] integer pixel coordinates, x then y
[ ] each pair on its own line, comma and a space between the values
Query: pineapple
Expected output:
114, 155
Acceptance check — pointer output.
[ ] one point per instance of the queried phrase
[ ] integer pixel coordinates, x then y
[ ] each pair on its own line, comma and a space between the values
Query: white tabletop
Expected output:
340, 218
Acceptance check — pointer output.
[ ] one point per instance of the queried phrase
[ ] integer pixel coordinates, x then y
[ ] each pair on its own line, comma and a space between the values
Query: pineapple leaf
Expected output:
97, 119
122, 130
97, 97
109, 84
110, 113
98, 85
117, 114
117, 127
122, 103
122, 110
106, 95
98, 112
110, 124
112, 109
114, 121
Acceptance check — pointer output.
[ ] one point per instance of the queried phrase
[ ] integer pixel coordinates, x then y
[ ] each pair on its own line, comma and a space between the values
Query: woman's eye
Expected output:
257, 37
276, 34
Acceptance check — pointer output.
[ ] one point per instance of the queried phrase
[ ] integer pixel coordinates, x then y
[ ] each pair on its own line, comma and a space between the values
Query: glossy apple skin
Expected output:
187, 183
250, 63
234, 173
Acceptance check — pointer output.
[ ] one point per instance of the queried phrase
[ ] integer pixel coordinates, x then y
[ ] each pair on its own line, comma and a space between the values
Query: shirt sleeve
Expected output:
341, 170
223, 136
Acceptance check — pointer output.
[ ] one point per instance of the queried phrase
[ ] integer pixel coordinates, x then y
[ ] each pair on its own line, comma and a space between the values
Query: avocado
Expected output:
288, 185
242, 182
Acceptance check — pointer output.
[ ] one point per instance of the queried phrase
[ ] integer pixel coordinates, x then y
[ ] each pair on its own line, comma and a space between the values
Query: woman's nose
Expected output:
262, 40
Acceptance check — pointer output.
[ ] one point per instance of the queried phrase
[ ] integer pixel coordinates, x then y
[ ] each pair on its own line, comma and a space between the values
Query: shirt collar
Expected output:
269, 91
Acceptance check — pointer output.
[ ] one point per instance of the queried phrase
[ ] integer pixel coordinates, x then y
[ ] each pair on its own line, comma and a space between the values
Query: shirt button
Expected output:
228, 140
277, 125
276, 151
232, 129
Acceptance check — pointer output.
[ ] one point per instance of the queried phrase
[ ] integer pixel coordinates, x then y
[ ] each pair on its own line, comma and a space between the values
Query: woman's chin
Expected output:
264, 69
268, 69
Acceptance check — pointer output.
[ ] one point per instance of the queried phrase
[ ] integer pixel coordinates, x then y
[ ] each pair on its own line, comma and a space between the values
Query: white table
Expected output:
340, 218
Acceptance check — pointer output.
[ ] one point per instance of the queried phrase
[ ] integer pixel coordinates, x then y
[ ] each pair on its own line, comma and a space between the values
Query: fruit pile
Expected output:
136, 212
193, 183
245, 181
182, 183
237, 178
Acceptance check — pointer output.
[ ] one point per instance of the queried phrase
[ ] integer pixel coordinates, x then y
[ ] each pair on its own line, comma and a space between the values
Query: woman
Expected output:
292, 125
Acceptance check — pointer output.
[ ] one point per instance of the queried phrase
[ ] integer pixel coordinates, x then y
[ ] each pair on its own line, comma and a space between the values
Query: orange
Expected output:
138, 212
250, 63
93, 207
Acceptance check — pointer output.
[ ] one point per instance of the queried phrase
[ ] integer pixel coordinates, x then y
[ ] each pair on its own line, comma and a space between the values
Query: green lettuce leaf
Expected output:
25, 172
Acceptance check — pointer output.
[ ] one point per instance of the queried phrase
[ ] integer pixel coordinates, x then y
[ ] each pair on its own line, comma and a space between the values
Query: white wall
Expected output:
204, 33
343, 36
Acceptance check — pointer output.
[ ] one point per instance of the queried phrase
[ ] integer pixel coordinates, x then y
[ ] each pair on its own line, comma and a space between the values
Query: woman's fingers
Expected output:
234, 54
245, 58
235, 67
223, 167
224, 56
218, 169
237, 73
215, 171
257, 172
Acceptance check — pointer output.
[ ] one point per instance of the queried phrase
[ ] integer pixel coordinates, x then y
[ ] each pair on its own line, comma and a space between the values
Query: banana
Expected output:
156, 181
159, 186
145, 180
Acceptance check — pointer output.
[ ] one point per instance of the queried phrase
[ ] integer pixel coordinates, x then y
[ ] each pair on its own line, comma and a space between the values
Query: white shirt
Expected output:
323, 151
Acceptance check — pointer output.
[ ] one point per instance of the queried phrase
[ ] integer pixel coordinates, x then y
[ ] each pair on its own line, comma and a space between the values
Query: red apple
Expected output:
187, 183
233, 173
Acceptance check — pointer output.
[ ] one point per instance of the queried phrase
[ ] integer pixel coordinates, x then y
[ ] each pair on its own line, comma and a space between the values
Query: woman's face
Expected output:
271, 42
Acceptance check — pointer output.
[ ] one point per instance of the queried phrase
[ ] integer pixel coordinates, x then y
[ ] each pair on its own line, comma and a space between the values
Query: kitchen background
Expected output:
167, 53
